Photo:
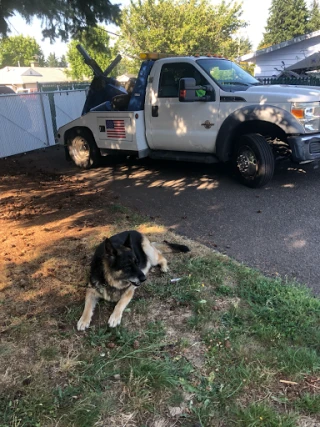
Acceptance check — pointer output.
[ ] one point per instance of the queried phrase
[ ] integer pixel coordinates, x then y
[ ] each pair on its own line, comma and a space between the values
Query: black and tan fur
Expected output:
119, 265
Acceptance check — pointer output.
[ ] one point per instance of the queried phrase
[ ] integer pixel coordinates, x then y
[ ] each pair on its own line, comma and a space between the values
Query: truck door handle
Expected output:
155, 110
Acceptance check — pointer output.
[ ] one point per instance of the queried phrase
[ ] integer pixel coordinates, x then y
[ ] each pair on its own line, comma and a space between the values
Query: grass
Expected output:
262, 415
215, 344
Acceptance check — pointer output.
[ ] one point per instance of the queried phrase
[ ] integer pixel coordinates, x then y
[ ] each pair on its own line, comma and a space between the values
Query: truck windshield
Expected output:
227, 74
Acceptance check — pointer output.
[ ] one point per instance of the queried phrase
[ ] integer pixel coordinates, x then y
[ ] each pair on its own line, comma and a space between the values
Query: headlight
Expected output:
308, 114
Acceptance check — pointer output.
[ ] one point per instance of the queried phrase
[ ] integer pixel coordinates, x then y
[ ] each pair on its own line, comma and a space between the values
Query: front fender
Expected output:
264, 113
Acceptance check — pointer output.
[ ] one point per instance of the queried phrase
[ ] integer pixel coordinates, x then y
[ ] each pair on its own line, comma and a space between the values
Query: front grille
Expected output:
314, 147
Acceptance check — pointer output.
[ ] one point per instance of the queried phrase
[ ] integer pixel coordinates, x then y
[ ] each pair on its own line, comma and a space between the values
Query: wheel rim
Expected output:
80, 150
247, 162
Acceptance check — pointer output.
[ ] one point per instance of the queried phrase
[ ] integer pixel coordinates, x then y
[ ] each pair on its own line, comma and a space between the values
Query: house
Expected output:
28, 79
300, 53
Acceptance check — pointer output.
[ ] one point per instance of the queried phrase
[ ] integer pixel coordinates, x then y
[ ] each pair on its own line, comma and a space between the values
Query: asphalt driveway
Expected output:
275, 229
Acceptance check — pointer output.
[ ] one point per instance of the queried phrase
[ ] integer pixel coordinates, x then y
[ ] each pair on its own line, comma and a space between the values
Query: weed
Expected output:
308, 403
262, 415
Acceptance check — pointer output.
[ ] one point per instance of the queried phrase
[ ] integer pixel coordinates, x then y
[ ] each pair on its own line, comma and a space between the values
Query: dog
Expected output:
119, 266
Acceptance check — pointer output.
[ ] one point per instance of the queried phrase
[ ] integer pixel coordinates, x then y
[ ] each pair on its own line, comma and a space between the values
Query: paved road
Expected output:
275, 229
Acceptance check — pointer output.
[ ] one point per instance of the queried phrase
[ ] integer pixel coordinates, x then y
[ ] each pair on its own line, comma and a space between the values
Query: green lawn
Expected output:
223, 346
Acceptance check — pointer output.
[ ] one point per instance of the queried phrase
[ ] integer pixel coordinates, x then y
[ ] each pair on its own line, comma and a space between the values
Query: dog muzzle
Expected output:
138, 282
134, 283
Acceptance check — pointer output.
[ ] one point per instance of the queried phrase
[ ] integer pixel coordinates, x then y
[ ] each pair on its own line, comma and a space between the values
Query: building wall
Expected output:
27, 88
266, 64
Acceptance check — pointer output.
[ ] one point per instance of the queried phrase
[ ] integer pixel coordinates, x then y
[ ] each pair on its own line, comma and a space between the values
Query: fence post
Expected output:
44, 118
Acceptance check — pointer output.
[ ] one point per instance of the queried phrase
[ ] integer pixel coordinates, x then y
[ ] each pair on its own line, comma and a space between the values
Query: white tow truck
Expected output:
198, 109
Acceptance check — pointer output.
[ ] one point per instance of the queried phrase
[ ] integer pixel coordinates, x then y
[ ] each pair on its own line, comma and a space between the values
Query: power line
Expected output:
10, 25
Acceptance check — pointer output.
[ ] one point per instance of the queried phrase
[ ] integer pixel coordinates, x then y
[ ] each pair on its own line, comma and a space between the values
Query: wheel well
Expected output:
71, 133
270, 131
266, 129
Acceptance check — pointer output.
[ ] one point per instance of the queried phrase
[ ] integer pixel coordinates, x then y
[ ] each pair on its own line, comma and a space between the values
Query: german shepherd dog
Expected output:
118, 267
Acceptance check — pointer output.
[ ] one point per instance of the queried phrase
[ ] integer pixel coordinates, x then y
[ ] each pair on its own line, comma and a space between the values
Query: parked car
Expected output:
4, 90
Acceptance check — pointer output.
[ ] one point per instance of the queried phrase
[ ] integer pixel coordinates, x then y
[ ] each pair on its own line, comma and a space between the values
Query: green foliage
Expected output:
61, 19
96, 43
52, 60
182, 27
19, 50
63, 62
287, 19
314, 20
127, 64
248, 67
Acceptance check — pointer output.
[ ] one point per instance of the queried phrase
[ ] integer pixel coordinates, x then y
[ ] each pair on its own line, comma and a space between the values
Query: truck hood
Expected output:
280, 93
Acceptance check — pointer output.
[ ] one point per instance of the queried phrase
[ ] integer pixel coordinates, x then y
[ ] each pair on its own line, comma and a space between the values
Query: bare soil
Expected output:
49, 226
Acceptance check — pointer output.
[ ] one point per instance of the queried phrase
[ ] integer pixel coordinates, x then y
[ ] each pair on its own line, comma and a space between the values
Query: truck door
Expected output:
180, 126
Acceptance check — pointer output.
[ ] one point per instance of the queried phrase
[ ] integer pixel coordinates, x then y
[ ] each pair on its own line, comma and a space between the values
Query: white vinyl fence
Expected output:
29, 121
68, 105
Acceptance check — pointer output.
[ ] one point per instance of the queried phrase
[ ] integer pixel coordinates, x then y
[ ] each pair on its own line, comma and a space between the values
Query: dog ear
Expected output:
109, 249
128, 242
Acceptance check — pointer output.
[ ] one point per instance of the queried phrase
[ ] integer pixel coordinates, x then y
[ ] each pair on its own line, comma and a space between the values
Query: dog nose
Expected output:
142, 278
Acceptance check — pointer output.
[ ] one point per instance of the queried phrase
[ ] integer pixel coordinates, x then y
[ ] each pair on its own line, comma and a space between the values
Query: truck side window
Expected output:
172, 73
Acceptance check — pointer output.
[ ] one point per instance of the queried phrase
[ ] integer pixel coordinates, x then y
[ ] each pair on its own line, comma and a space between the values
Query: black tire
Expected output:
253, 160
83, 150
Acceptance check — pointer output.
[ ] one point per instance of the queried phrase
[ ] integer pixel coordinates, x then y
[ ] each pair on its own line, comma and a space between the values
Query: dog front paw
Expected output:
83, 324
114, 320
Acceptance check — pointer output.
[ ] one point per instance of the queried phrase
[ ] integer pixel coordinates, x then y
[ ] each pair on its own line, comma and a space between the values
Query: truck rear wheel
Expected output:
83, 150
253, 160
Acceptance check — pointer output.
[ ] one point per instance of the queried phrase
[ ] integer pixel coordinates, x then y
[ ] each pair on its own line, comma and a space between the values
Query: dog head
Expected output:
123, 263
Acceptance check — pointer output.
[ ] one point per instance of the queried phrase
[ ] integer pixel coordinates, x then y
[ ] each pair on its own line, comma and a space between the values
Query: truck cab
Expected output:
199, 109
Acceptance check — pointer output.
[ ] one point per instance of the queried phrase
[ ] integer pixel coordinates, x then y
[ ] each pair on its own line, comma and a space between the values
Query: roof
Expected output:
269, 49
312, 62
22, 75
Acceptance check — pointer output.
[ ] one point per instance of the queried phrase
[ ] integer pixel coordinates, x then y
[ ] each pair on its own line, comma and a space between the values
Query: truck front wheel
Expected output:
253, 160
83, 150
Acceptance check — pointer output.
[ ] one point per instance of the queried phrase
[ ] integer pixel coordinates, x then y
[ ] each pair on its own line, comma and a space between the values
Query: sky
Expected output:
255, 14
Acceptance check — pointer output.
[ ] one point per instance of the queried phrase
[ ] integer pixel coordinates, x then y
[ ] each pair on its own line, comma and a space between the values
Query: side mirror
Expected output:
190, 92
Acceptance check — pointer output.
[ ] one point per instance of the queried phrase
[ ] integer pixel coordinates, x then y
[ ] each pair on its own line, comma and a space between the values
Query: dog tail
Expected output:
176, 247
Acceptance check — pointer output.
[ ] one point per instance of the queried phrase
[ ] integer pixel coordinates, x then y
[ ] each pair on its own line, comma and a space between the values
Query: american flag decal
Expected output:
115, 129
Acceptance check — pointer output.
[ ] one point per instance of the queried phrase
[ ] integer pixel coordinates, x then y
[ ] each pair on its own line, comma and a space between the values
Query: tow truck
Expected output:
198, 109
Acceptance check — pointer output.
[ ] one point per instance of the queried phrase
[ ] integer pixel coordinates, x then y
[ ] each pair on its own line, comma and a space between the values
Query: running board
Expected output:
182, 156
134, 153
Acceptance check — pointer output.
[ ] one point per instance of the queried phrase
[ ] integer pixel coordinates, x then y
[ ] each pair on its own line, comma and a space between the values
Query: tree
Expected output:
287, 19
52, 60
96, 43
19, 51
63, 18
180, 27
63, 62
314, 20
